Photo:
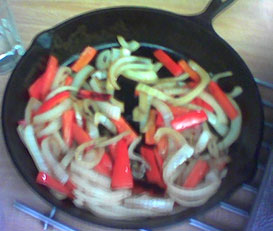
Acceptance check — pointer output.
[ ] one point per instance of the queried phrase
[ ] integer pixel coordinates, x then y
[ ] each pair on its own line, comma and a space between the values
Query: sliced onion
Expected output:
67, 159
112, 140
101, 74
213, 148
51, 128
164, 110
99, 118
78, 112
221, 75
53, 113
132, 45
90, 175
203, 140
81, 76
158, 204
236, 91
54, 165
184, 153
60, 141
60, 77
34, 150
148, 76
109, 110
59, 90
103, 59
234, 131
93, 130
95, 85
220, 128
144, 108
117, 103
32, 105
220, 114
153, 92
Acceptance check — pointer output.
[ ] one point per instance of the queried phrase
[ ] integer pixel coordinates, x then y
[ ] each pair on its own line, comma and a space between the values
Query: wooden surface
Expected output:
247, 26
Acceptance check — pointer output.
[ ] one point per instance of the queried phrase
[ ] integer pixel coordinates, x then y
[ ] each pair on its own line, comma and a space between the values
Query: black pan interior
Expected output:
181, 37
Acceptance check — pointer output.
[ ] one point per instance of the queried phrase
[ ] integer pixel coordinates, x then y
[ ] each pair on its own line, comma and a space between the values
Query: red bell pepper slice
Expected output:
79, 134
223, 100
85, 94
178, 110
49, 75
122, 125
122, 175
162, 146
34, 90
112, 151
105, 166
199, 102
168, 62
45, 179
149, 135
85, 57
159, 120
186, 67
189, 120
153, 174
197, 174
68, 118
52, 102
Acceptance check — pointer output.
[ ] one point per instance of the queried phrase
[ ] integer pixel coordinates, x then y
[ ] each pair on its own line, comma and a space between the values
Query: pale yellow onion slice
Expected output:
221, 75
53, 113
81, 76
51, 128
110, 110
32, 105
62, 73
220, 128
132, 45
59, 90
58, 170
164, 110
112, 140
234, 131
103, 59
203, 140
236, 91
68, 158
100, 118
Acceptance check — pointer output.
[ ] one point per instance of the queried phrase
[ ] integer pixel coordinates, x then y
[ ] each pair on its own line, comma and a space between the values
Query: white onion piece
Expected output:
55, 147
112, 140
103, 59
51, 128
184, 153
99, 118
60, 141
117, 103
53, 113
213, 148
202, 141
59, 90
90, 175
220, 128
234, 131
67, 159
221, 75
236, 91
60, 77
101, 74
188, 203
95, 86
81, 76
164, 110
133, 156
93, 130
102, 193
78, 113
115, 54
109, 110
54, 165
157, 204
131, 46
220, 114
34, 150
32, 105
143, 76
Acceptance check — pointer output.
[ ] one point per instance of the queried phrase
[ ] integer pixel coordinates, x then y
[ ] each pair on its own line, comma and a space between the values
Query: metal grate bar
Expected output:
267, 124
267, 103
202, 225
24, 208
234, 209
264, 83
250, 188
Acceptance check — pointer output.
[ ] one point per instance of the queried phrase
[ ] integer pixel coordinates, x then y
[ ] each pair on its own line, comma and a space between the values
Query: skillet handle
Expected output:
213, 8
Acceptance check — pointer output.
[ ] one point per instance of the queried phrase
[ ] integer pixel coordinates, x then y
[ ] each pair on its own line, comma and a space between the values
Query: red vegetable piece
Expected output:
85, 57
68, 118
34, 90
159, 120
112, 151
93, 95
68, 81
149, 135
199, 102
168, 62
52, 102
197, 174
186, 67
49, 75
223, 100
105, 166
122, 176
79, 134
153, 174
122, 125
45, 179
178, 110
189, 120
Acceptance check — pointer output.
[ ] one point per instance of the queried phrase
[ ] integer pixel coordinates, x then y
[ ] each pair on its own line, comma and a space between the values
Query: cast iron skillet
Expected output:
192, 37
